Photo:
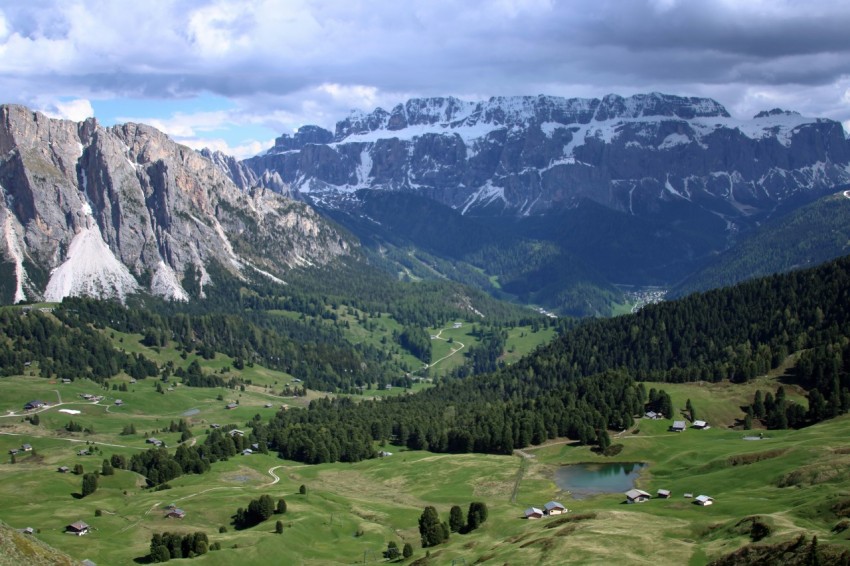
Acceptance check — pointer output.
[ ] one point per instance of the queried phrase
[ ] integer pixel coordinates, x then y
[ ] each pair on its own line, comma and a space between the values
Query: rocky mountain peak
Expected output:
775, 112
106, 211
656, 104
528, 155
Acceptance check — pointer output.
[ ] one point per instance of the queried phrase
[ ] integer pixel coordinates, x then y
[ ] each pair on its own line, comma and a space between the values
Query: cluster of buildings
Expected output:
639, 496
23, 448
550, 509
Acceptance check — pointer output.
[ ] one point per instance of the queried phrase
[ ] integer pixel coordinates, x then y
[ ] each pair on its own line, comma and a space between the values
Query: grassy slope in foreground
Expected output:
382, 499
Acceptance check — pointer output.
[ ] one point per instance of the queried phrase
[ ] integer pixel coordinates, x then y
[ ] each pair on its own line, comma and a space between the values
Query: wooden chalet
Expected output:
637, 496
79, 528
554, 508
704, 500
533, 513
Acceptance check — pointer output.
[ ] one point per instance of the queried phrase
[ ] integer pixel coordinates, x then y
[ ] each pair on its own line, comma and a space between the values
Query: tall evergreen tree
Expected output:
456, 519
89, 484
430, 529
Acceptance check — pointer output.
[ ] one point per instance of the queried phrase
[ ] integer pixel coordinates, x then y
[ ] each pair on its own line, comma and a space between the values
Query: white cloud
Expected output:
76, 110
240, 151
285, 64
4, 27
186, 125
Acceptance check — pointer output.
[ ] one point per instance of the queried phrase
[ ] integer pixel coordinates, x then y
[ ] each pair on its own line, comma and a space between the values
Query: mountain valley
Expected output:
299, 356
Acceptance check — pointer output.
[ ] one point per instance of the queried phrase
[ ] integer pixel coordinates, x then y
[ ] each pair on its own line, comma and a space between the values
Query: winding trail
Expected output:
274, 475
454, 351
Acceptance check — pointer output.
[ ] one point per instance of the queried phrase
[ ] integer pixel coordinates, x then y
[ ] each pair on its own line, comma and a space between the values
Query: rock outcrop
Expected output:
530, 155
110, 211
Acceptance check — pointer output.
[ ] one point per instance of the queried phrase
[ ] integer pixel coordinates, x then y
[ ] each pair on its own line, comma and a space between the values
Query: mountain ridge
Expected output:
106, 212
522, 156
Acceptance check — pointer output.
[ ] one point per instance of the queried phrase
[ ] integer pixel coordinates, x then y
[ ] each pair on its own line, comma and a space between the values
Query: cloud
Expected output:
76, 110
286, 63
242, 151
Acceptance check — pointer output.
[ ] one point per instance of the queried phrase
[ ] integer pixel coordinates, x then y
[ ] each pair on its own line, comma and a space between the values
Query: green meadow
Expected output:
795, 481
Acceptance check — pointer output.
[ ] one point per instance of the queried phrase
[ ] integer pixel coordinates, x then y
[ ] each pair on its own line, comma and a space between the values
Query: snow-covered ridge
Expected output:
444, 114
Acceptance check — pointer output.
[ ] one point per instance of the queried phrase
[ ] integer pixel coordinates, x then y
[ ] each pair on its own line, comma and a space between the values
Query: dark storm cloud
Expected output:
296, 61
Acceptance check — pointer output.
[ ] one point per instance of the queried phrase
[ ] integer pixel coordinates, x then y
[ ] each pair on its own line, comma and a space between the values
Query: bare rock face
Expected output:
88, 210
524, 156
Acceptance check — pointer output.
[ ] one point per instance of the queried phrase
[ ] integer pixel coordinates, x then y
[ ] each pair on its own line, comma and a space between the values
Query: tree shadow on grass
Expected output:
77, 495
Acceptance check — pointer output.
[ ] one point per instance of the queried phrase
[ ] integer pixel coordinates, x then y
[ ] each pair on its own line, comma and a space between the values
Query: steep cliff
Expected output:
110, 211
525, 156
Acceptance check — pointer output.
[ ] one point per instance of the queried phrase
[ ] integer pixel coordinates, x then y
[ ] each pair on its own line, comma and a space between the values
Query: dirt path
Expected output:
197, 493
454, 351
72, 440
274, 475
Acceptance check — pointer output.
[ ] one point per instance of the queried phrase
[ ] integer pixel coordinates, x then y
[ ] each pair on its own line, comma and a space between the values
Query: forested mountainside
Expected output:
585, 382
293, 328
594, 193
424, 239
802, 238
588, 380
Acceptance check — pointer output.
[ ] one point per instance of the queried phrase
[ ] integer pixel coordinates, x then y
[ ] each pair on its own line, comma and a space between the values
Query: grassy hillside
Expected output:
795, 482
17, 547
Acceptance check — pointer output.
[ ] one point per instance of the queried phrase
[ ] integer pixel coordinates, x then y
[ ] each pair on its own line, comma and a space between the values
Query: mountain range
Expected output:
545, 200
525, 156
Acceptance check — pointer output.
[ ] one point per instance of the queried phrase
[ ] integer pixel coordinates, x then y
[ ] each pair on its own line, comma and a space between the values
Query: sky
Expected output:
234, 74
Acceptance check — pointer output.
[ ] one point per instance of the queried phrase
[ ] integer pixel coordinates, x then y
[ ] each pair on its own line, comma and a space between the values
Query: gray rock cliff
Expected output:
109, 211
525, 156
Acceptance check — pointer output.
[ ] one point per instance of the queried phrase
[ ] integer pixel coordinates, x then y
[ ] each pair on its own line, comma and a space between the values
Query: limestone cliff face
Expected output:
531, 155
108, 211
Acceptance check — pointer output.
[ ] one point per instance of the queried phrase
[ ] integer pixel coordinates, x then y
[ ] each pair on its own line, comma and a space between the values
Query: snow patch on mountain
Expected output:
467, 133
485, 195
673, 140
669, 188
165, 284
364, 169
90, 268
548, 128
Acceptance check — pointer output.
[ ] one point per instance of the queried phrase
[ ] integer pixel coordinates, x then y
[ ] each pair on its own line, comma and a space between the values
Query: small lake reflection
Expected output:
583, 480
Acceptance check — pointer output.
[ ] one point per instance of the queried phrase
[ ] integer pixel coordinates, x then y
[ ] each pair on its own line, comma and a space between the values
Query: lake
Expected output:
584, 480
